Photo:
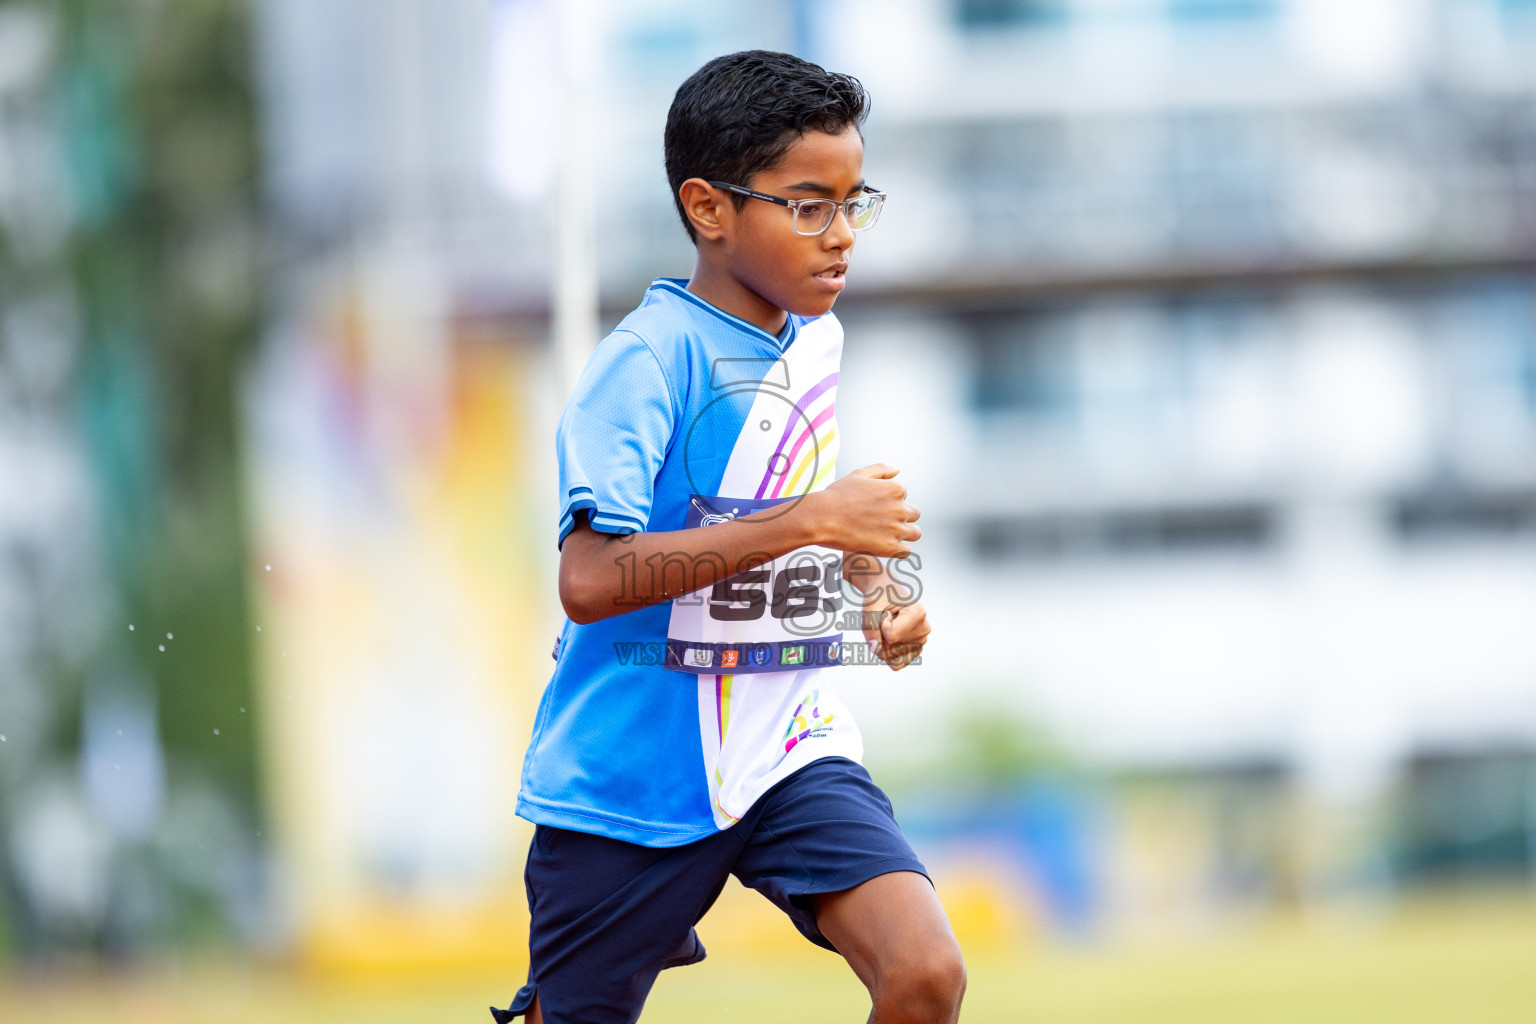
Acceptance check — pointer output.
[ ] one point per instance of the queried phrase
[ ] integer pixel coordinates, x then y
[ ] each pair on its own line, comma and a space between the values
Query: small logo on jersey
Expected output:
728, 659
833, 650
792, 655
699, 657
708, 518
806, 722
759, 655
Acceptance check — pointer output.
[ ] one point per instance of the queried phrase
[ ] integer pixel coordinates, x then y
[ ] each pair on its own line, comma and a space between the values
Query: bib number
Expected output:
779, 616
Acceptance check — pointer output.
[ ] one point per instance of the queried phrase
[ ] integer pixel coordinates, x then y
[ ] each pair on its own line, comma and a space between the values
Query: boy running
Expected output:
690, 731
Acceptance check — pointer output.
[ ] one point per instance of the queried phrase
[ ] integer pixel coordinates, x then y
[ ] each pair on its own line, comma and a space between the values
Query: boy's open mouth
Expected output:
833, 273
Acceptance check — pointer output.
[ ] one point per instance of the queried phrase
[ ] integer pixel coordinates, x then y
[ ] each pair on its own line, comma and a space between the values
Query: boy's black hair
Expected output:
737, 115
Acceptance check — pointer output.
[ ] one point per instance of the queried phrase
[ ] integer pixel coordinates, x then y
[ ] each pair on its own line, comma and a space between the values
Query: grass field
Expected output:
1464, 959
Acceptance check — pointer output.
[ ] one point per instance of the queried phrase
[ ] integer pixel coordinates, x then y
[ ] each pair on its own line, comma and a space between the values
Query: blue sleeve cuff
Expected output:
605, 520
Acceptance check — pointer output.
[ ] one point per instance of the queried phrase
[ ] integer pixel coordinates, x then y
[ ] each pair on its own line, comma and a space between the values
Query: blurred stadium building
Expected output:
1204, 331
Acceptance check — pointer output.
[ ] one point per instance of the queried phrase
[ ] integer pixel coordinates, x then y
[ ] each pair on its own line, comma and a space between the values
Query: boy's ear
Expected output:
704, 207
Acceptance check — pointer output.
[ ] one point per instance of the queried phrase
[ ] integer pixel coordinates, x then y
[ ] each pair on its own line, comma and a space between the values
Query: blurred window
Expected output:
981, 15
1026, 363
1518, 14
1451, 513
1467, 815
1222, 12
1018, 182
1482, 356
1487, 336
1140, 371
1219, 174
660, 49
1245, 528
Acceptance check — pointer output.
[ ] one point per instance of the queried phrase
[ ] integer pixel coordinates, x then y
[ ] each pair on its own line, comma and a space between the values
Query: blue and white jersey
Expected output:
664, 724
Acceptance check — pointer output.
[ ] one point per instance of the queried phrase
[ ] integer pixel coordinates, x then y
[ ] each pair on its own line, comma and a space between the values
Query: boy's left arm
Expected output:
895, 622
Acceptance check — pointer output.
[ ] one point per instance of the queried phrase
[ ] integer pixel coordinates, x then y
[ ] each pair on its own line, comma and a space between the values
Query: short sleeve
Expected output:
613, 437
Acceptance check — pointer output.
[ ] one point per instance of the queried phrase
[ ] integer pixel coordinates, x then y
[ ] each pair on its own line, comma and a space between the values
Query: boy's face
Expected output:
800, 274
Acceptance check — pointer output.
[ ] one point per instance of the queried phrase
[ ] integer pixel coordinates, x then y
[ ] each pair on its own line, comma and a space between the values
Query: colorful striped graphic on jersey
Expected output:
723, 719
807, 421
818, 454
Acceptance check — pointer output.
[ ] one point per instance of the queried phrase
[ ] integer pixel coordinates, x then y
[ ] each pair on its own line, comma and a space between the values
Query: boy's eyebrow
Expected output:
812, 186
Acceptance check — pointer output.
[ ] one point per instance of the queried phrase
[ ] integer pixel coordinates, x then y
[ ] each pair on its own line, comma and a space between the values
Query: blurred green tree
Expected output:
148, 111
161, 143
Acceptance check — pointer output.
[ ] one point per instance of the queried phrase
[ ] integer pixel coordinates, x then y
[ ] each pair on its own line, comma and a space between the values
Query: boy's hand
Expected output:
867, 510
897, 631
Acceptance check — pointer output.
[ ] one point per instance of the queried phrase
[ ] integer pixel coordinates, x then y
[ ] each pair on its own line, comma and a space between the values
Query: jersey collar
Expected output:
679, 286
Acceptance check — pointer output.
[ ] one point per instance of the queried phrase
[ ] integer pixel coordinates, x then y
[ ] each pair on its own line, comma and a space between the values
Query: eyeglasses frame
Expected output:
794, 205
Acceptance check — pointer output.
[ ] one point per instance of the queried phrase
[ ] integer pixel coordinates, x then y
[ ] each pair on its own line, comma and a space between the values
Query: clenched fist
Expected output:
867, 510
897, 632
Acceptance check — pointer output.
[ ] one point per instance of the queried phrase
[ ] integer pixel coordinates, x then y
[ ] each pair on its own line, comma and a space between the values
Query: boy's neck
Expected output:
720, 289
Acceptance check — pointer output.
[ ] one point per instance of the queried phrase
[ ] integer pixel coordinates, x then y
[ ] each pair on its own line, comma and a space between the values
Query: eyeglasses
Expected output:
813, 216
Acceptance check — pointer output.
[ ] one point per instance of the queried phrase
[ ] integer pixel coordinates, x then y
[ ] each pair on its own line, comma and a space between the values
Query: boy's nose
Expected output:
839, 234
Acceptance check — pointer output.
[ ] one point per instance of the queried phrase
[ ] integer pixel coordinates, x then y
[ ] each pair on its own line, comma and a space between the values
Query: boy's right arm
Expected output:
605, 574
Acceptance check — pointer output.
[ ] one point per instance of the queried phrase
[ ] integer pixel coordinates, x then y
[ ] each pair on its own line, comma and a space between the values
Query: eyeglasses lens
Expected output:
814, 216
864, 211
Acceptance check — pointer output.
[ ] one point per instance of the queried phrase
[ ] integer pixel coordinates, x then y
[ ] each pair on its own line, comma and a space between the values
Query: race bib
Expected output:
780, 616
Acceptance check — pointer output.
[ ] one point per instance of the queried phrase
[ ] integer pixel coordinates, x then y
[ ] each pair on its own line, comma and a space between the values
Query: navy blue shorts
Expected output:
608, 916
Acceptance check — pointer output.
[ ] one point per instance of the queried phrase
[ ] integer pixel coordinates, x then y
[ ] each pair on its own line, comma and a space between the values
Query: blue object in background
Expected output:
1047, 828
